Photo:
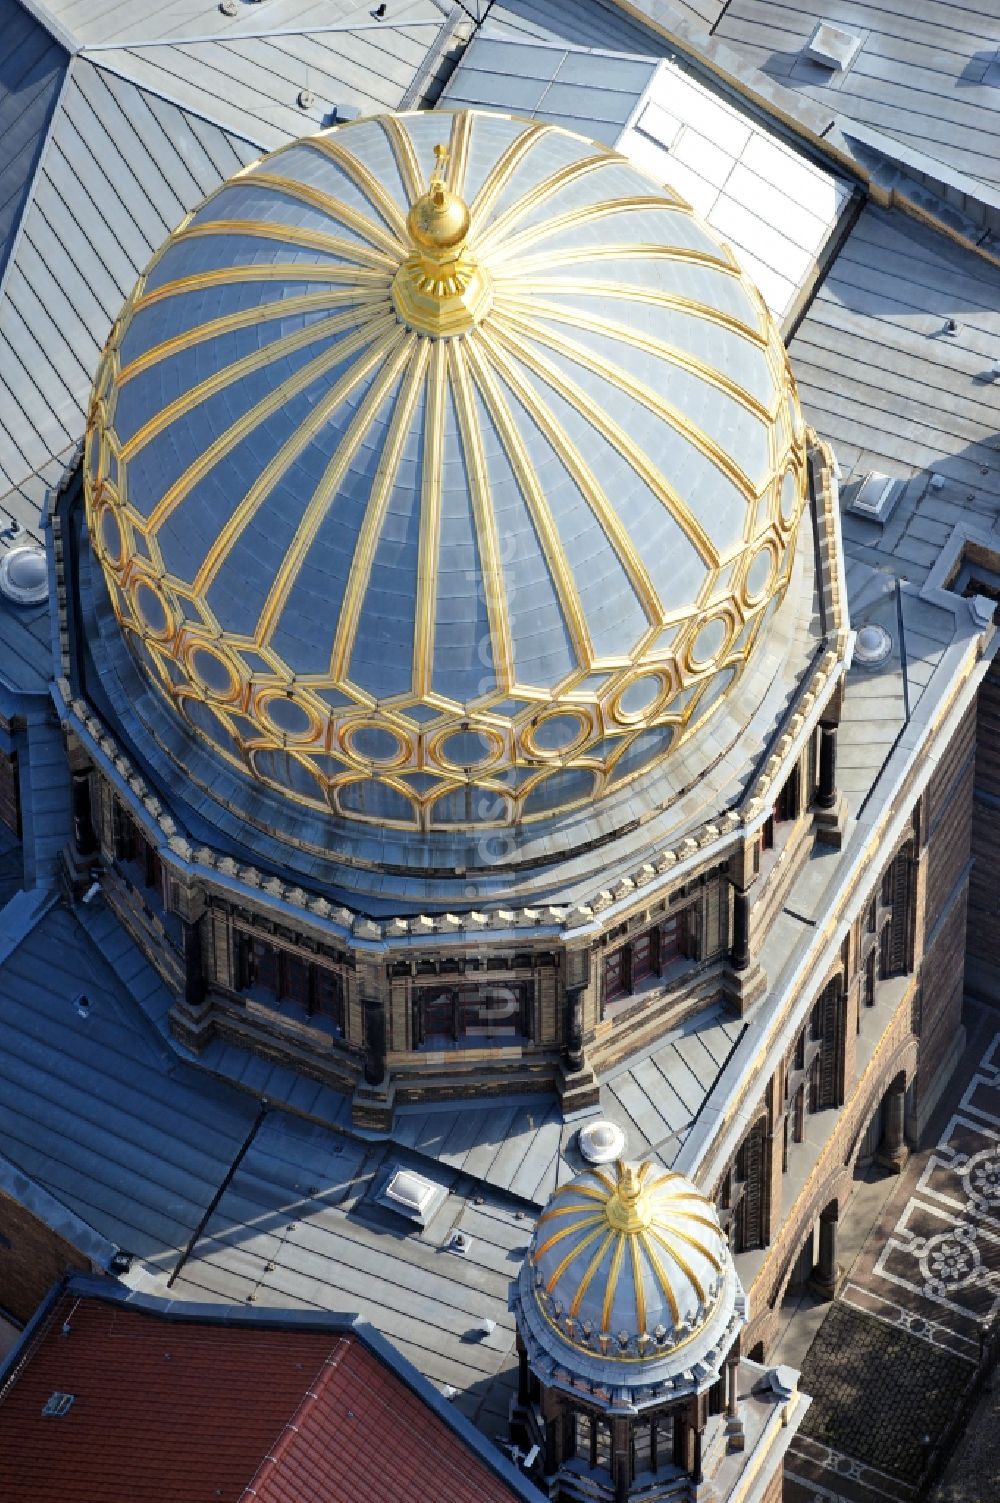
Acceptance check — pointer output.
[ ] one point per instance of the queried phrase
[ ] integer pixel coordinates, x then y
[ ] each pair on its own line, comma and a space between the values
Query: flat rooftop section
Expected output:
926, 74
112, 1399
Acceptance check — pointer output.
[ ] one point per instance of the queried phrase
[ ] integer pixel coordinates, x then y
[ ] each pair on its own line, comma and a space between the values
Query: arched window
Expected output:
828, 1016
802, 1081
895, 915
744, 1193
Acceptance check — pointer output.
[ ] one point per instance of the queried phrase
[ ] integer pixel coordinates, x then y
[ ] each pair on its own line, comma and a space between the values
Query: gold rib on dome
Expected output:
389, 471
628, 1263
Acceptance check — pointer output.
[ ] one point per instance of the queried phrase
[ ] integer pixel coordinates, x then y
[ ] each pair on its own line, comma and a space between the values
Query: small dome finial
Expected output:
629, 1209
439, 220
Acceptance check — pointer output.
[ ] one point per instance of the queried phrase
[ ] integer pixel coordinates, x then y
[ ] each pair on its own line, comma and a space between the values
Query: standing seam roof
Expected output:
32, 68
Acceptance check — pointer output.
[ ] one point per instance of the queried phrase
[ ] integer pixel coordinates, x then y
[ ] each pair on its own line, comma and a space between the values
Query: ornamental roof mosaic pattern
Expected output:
438, 550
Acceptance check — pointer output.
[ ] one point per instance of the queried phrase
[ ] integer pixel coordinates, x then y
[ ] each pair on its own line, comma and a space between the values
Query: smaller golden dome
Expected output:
631, 1264
439, 219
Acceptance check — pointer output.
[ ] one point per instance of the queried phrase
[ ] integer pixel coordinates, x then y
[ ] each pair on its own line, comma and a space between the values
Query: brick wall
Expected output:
831, 1179
949, 845
941, 986
984, 900
32, 1257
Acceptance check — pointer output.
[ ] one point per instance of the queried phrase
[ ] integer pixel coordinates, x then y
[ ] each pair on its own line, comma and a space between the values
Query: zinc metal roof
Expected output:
118, 169
926, 74
32, 68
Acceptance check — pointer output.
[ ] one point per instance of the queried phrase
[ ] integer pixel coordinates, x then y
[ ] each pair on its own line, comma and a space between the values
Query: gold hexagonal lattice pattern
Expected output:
444, 496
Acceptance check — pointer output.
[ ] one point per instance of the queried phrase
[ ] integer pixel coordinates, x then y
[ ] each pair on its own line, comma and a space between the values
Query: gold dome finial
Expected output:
629, 1209
440, 288
439, 220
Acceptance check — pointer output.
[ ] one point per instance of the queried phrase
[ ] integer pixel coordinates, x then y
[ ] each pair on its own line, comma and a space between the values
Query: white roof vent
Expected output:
410, 1191
876, 497
24, 575
832, 47
410, 1194
873, 645
600, 1142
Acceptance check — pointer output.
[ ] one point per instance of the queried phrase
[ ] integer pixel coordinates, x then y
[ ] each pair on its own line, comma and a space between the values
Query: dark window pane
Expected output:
492, 1012
642, 957
472, 1016
242, 960
328, 996
295, 979
439, 1015
264, 966
671, 935
614, 975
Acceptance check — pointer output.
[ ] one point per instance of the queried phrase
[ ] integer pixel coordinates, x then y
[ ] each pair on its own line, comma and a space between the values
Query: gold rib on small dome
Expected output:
441, 289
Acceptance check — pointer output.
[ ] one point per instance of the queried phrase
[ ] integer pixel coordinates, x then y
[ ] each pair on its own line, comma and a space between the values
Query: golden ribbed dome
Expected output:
630, 1262
444, 489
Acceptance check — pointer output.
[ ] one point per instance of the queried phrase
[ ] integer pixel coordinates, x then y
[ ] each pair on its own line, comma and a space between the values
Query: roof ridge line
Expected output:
53, 26
290, 1429
244, 36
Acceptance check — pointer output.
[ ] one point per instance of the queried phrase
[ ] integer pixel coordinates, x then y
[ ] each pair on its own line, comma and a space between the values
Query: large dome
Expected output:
443, 491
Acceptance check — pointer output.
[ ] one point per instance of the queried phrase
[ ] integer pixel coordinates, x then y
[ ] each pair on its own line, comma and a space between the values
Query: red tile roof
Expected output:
173, 1410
